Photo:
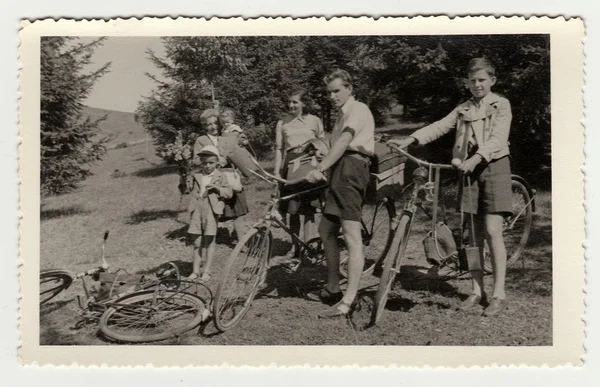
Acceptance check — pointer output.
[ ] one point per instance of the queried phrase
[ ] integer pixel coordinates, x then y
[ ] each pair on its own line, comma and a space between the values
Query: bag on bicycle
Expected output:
439, 244
387, 174
114, 284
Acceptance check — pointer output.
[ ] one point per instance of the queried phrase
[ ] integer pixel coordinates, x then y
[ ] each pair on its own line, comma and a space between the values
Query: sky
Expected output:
126, 83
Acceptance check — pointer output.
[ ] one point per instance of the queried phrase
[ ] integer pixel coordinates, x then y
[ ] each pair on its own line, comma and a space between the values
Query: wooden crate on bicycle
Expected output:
387, 174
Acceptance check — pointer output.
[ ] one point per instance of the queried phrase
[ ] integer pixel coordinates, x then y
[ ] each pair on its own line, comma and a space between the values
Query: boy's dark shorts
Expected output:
493, 180
347, 187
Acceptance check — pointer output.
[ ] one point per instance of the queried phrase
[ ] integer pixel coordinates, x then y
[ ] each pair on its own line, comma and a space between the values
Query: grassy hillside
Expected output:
119, 127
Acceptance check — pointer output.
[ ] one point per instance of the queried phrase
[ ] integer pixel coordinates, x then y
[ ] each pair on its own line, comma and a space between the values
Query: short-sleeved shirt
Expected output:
298, 130
356, 117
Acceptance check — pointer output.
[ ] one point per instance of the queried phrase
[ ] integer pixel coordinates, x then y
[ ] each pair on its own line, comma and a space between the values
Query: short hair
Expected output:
341, 74
304, 96
228, 113
208, 113
481, 63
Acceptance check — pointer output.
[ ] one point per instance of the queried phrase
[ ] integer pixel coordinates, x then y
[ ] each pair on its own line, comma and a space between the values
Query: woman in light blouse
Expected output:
292, 131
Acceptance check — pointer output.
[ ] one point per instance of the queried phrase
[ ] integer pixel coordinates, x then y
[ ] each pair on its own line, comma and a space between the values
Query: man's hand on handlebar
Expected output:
402, 143
315, 175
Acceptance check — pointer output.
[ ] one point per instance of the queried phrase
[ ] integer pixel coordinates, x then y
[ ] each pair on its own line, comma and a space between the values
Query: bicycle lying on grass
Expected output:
246, 267
133, 307
426, 187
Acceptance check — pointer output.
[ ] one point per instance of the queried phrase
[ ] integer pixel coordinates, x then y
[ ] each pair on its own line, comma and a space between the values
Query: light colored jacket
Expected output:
215, 199
491, 137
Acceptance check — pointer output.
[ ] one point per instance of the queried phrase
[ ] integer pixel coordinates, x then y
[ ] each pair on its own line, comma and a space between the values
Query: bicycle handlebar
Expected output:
417, 160
270, 178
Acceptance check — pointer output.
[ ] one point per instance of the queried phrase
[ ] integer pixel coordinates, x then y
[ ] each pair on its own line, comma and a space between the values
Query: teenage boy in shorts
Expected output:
482, 127
348, 160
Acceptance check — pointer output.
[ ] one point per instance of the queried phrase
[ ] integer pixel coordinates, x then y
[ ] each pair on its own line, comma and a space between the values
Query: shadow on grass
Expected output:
54, 306
413, 279
179, 234
62, 212
52, 336
540, 236
156, 171
222, 238
147, 216
280, 283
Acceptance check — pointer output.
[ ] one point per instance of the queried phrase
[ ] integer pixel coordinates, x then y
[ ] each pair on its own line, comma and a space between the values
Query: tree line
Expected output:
424, 74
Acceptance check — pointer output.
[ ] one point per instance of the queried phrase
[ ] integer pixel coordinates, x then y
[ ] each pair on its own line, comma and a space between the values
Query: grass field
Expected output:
135, 197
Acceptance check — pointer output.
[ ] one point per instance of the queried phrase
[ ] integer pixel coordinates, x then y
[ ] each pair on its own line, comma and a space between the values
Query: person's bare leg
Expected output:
208, 250
328, 231
295, 228
239, 225
356, 259
477, 275
196, 255
493, 228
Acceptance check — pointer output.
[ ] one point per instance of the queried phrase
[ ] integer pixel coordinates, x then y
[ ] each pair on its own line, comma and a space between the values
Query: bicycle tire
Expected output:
516, 227
391, 266
62, 280
239, 281
136, 317
377, 235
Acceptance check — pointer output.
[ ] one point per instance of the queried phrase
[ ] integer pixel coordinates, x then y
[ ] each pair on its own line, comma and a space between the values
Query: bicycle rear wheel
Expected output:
52, 282
392, 264
377, 235
243, 273
152, 315
516, 227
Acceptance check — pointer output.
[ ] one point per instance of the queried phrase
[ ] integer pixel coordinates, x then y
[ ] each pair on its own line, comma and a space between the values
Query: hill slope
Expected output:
119, 127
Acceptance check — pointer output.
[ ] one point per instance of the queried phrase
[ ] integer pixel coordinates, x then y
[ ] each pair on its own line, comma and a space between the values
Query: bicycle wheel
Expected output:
516, 227
152, 315
244, 271
392, 264
377, 235
52, 282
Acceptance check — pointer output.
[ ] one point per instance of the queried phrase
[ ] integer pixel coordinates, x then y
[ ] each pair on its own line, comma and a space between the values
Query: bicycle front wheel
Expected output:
243, 273
391, 266
516, 227
52, 282
152, 315
377, 235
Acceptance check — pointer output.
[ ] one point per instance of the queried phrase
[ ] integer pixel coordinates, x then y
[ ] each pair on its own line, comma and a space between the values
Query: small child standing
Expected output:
482, 127
210, 187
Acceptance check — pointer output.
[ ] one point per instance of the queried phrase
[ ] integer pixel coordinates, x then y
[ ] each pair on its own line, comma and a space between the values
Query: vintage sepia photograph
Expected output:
361, 191
176, 208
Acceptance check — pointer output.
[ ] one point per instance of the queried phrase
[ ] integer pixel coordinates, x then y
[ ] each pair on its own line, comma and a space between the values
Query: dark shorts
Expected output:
347, 188
493, 181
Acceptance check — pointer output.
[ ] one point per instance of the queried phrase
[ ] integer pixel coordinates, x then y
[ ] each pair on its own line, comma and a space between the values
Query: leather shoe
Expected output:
325, 296
496, 306
472, 301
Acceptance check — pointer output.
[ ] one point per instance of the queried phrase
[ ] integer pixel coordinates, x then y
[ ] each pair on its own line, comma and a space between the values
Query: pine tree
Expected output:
67, 140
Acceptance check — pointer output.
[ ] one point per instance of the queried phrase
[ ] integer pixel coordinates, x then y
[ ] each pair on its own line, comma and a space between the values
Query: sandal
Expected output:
325, 296
193, 277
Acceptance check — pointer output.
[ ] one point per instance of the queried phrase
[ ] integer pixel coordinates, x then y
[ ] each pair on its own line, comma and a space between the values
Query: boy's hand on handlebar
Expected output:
315, 175
469, 165
402, 143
